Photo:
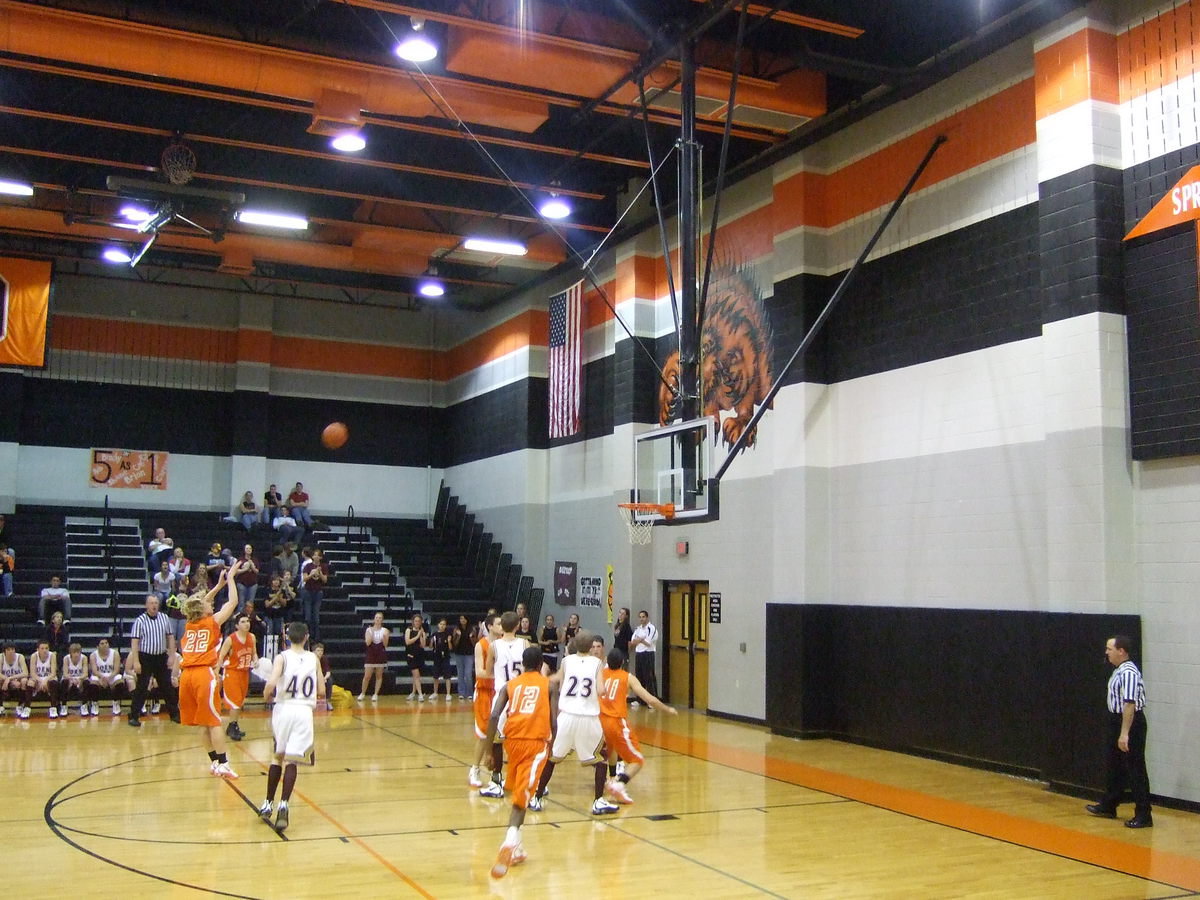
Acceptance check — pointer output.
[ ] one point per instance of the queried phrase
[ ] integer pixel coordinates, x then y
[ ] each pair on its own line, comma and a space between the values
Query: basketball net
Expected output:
641, 530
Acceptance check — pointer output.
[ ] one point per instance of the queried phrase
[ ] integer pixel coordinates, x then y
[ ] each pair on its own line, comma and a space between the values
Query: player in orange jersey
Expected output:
532, 709
198, 678
485, 695
238, 655
619, 738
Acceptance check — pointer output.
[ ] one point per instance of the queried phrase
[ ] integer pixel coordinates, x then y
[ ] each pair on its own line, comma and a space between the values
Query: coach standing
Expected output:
151, 646
1126, 738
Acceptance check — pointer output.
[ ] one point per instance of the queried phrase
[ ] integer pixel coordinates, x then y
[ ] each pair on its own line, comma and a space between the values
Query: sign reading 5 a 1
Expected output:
138, 469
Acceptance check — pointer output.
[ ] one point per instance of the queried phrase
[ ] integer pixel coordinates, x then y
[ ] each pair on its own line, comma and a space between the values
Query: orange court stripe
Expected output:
1132, 859
350, 835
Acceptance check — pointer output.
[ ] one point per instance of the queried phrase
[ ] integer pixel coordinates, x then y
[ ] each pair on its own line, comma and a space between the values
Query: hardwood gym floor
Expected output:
722, 809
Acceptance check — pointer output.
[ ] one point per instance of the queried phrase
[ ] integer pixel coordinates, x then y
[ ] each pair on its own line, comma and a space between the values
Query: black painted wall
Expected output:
1020, 691
1163, 318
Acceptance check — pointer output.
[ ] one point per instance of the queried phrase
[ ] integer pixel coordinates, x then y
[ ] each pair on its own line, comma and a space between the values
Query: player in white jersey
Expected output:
74, 683
297, 686
13, 675
106, 682
578, 681
504, 662
43, 678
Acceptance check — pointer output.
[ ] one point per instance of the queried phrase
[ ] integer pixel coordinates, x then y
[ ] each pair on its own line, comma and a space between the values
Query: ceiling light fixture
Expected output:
16, 188
348, 142
490, 245
416, 46
271, 220
136, 214
555, 208
431, 289
116, 255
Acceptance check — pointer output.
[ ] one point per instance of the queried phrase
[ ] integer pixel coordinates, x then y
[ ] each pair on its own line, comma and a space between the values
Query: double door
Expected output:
687, 644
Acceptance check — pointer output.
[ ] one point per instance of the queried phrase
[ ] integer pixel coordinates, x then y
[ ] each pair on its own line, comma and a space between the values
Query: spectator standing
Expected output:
272, 500
298, 500
278, 600
289, 532
645, 645
258, 625
216, 562
174, 607
58, 594
152, 643
159, 547
326, 673
622, 632
462, 642
376, 639
57, 636
247, 578
439, 652
6, 531
8, 565
525, 630
314, 575
415, 638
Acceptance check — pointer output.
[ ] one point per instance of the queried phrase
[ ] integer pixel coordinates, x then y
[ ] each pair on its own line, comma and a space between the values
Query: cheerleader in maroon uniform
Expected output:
376, 639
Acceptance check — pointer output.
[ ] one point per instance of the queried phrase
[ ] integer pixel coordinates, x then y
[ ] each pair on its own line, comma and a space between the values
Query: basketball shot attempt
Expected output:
530, 709
297, 686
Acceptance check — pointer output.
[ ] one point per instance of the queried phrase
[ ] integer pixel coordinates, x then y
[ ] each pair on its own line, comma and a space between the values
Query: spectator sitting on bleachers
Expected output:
8, 564
107, 682
246, 513
159, 548
57, 635
13, 675
179, 565
163, 582
289, 561
56, 593
272, 500
247, 579
6, 532
298, 500
73, 686
289, 531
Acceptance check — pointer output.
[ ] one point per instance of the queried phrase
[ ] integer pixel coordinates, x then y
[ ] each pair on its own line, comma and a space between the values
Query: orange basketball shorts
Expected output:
485, 697
198, 697
527, 758
235, 686
619, 737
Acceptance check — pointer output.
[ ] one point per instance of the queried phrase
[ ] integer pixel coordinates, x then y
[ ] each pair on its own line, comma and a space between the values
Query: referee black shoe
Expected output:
135, 721
1102, 811
1140, 822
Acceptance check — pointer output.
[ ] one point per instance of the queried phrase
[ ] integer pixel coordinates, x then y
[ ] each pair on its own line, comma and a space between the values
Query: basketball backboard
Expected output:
673, 464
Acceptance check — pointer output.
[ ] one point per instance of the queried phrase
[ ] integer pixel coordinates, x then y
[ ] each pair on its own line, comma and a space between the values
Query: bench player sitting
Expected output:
13, 675
43, 678
106, 681
73, 687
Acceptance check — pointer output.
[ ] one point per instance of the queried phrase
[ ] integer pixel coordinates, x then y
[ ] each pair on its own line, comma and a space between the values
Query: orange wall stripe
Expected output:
531, 327
1134, 859
1080, 67
254, 345
349, 358
142, 339
994, 126
1158, 52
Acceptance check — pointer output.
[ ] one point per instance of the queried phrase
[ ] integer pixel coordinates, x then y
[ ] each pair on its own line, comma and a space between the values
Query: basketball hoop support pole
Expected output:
847, 280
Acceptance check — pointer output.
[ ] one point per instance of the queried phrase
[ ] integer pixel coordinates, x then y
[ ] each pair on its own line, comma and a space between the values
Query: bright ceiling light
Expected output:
136, 214
271, 220
431, 289
415, 46
348, 142
555, 208
16, 188
489, 245
116, 255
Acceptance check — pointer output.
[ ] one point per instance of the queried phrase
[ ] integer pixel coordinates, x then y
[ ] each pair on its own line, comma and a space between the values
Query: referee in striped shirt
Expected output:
151, 646
1126, 738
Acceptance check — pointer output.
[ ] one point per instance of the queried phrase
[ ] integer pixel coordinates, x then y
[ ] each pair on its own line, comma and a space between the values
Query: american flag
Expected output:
566, 369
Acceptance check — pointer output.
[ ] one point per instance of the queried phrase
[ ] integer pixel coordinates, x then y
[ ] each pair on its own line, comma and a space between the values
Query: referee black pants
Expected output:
643, 668
154, 665
1127, 770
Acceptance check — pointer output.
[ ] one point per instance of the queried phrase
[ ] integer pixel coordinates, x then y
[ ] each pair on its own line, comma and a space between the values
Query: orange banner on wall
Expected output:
24, 309
139, 469
1180, 204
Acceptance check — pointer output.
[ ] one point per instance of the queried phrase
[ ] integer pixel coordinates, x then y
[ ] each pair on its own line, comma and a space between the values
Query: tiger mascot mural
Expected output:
735, 355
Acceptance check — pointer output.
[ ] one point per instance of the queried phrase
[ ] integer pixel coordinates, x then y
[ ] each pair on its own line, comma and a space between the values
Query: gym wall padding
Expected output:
1013, 690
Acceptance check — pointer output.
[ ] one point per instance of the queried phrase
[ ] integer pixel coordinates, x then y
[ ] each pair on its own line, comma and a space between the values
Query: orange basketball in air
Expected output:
335, 435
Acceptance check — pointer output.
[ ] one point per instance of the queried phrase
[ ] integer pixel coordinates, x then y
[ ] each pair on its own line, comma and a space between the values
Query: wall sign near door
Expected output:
714, 609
